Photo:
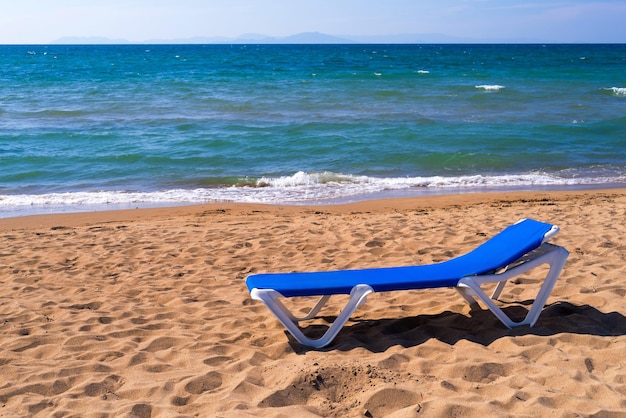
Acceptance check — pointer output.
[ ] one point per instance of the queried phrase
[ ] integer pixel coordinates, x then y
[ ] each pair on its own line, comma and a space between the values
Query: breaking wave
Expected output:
299, 188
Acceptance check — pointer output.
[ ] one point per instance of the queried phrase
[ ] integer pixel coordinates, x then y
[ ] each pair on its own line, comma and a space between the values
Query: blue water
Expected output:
128, 126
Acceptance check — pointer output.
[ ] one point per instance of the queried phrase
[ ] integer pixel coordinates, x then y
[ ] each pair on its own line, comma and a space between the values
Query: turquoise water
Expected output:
128, 126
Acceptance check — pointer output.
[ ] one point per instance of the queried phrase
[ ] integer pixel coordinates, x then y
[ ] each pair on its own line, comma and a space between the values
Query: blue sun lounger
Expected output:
516, 250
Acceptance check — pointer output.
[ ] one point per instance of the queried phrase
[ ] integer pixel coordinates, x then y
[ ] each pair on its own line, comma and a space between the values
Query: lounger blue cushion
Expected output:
501, 250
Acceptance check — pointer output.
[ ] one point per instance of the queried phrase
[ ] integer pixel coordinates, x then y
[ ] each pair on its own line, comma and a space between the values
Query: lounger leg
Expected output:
271, 299
315, 310
553, 255
469, 296
498, 290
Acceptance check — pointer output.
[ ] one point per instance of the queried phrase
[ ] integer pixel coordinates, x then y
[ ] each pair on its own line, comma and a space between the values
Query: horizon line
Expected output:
311, 38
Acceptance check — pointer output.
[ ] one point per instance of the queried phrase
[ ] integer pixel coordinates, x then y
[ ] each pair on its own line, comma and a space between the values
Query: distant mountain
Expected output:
252, 38
248, 38
410, 38
314, 38
300, 38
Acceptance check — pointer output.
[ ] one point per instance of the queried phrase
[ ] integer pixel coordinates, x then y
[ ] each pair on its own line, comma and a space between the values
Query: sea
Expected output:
95, 127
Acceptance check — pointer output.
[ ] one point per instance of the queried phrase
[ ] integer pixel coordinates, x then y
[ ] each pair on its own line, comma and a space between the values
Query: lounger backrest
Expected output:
506, 247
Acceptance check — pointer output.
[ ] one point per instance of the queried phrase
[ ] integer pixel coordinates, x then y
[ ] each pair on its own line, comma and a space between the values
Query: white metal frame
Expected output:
553, 255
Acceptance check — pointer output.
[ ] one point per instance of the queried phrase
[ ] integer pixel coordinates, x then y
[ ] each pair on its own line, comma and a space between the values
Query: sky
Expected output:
42, 22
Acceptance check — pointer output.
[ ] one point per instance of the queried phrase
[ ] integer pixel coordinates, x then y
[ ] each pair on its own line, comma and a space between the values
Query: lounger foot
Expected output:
271, 299
553, 255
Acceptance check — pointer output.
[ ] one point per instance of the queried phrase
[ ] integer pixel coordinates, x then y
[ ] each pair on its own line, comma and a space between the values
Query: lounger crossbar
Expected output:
514, 251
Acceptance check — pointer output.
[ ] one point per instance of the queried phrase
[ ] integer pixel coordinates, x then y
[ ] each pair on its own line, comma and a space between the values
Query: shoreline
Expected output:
401, 203
37, 209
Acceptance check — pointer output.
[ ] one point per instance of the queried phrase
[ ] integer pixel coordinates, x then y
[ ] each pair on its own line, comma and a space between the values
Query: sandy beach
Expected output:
145, 313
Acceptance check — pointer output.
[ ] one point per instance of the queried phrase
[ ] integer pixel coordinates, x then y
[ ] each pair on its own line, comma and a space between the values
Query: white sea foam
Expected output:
489, 87
618, 91
299, 188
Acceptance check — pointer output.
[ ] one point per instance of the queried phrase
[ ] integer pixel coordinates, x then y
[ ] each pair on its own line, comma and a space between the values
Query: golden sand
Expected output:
145, 313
